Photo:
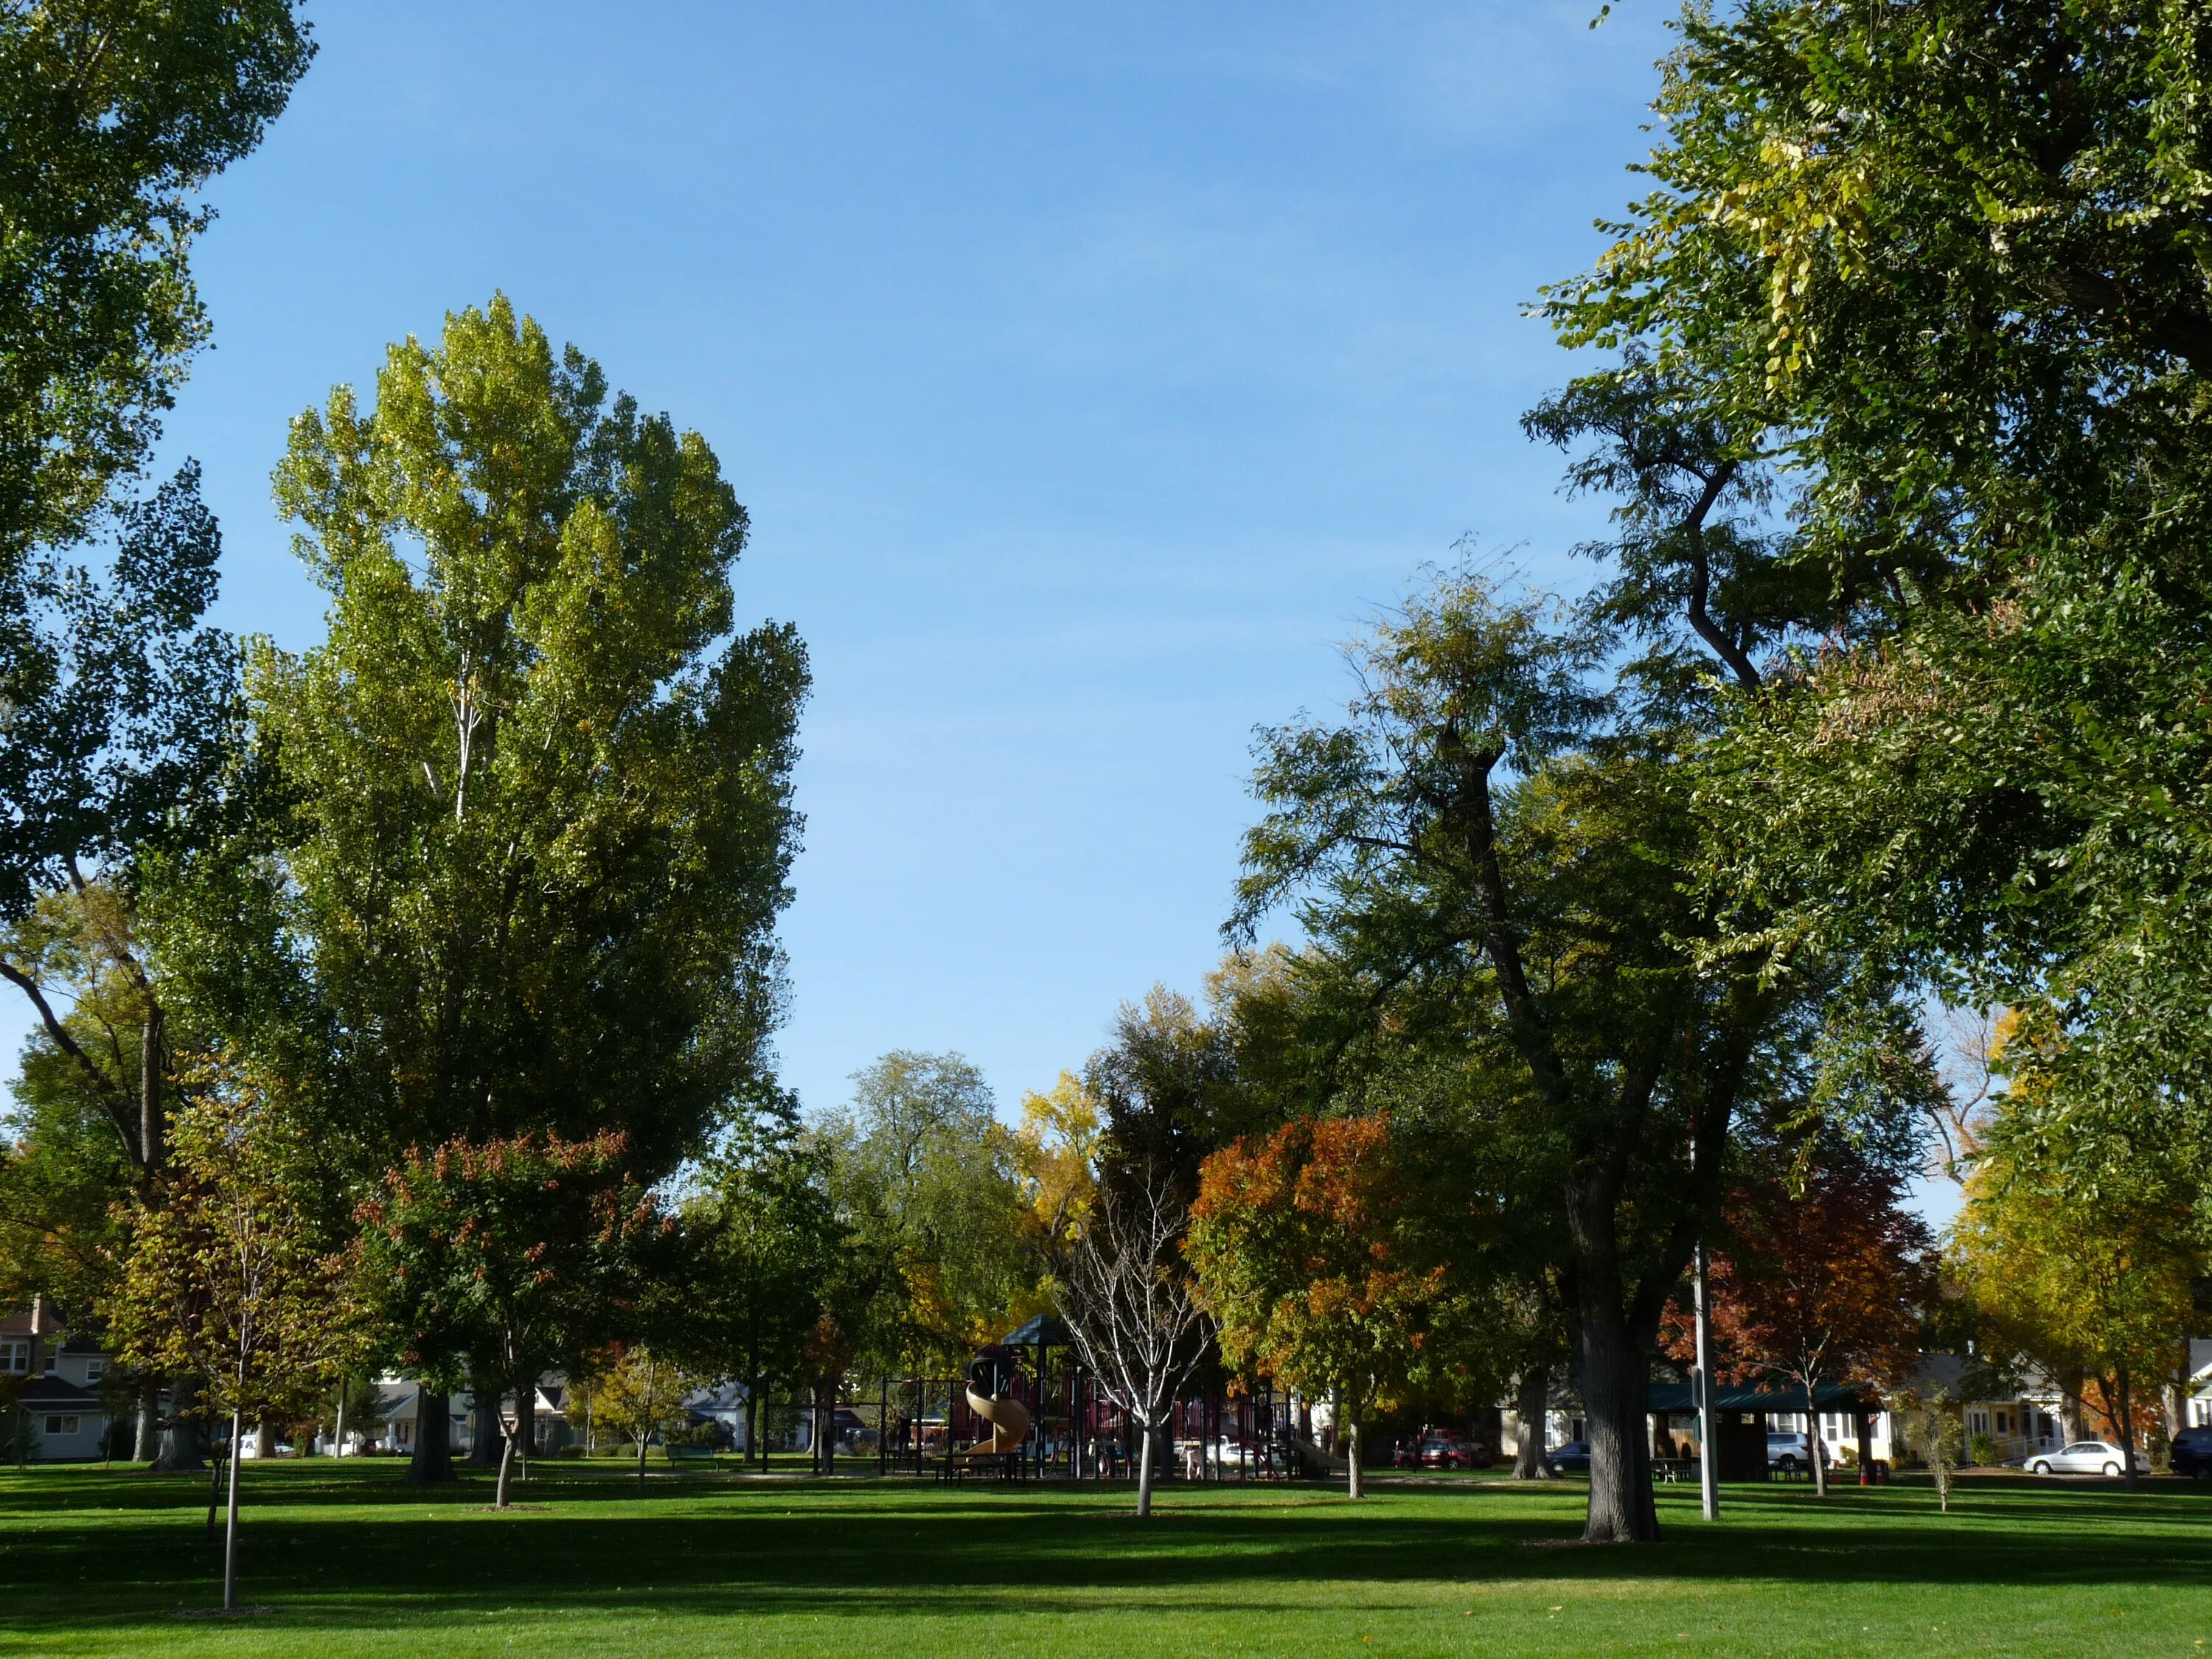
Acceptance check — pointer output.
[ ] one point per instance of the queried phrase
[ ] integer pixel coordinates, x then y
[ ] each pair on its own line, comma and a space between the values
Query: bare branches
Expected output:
1132, 1311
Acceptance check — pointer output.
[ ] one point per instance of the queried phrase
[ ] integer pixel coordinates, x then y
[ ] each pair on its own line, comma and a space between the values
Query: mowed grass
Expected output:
348, 1561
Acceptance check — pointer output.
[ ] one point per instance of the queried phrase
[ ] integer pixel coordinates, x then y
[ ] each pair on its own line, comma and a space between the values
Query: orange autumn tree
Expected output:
1316, 1253
1823, 1282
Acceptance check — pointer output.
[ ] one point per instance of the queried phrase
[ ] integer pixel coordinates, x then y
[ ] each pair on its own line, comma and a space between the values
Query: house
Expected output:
2196, 1398
53, 1373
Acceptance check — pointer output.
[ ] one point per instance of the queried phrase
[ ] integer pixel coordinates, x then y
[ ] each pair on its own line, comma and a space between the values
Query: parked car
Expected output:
2192, 1452
2082, 1457
1441, 1448
1789, 1452
1573, 1458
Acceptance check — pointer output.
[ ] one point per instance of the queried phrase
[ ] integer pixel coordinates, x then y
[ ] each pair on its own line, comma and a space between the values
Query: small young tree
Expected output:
639, 1395
1133, 1310
1936, 1432
506, 1257
227, 1278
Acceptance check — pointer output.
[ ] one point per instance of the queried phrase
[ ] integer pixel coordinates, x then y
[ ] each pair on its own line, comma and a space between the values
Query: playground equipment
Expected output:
990, 1396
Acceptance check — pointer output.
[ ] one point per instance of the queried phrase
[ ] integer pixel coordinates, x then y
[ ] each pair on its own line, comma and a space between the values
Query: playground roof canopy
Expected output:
1041, 1332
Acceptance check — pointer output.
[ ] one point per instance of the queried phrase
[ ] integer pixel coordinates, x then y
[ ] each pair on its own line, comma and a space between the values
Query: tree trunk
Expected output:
1145, 1473
753, 1450
1532, 1402
487, 1434
525, 1423
643, 1441
1354, 1477
230, 1526
825, 1425
183, 1448
432, 1461
215, 1471
338, 1433
2072, 1416
1615, 1370
2127, 1428
1816, 1445
146, 1445
506, 1467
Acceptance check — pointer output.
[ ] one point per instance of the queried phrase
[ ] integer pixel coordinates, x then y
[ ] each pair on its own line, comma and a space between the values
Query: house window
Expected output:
1978, 1422
61, 1426
2004, 1422
15, 1354
94, 1370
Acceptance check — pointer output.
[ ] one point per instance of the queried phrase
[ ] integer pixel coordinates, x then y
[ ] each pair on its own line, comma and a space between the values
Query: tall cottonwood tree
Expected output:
537, 785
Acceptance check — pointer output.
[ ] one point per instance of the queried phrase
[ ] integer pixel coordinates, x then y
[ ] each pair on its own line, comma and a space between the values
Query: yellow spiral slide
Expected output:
1009, 1419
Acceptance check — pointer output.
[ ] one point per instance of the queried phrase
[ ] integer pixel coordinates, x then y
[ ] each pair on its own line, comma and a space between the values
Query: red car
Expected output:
1443, 1449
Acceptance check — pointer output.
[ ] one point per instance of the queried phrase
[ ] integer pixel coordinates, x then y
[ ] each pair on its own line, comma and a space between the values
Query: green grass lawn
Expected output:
350, 1562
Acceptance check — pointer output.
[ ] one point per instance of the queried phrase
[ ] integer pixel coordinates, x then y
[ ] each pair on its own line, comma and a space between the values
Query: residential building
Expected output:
54, 1372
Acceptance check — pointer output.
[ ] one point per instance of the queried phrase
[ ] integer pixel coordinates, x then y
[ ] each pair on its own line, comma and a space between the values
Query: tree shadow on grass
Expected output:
350, 1549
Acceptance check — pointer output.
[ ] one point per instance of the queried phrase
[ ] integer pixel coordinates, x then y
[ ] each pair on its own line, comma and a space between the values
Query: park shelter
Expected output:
1744, 1415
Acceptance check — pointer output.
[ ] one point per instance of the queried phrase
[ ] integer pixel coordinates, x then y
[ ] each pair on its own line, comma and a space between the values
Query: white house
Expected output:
56, 1373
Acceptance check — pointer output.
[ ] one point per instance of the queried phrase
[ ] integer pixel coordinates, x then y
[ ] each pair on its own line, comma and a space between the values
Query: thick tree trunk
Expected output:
487, 1434
432, 1461
2072, 1415
183, 1448
643, 1441
1145, 1471
146, 1443
506, 1469
1532, 1404
1354, 1477
825, 1425
753, 1448
1615, 1372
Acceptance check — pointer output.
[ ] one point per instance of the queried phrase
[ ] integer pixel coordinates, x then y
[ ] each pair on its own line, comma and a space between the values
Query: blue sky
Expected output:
1089, 373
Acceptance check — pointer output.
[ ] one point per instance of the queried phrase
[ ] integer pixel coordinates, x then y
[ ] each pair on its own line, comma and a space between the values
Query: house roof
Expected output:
52, 1393
18, 1323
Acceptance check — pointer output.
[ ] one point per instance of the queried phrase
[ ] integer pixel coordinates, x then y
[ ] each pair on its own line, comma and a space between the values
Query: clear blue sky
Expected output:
1089, 372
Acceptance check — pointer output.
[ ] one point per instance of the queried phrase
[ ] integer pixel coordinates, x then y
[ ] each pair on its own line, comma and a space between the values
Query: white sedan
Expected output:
2082, 1457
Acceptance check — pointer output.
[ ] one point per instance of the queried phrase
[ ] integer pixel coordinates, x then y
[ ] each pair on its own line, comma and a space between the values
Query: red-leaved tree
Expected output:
507, 1257
1821, 1283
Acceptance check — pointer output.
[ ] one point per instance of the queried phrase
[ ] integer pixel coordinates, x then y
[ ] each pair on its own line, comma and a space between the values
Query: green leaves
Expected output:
116, 116
541, 796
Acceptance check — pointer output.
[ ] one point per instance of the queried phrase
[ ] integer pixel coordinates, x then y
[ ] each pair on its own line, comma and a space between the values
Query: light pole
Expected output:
1709, 1474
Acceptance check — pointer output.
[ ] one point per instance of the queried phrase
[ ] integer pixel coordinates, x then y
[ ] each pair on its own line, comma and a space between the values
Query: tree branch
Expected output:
111, 1097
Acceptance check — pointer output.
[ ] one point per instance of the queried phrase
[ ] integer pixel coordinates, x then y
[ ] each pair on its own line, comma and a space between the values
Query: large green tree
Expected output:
118, 114
535, 784
1931, 274
1501, 826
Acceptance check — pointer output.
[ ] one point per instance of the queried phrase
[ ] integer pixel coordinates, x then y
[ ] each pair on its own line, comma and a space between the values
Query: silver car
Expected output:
2082, 1457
